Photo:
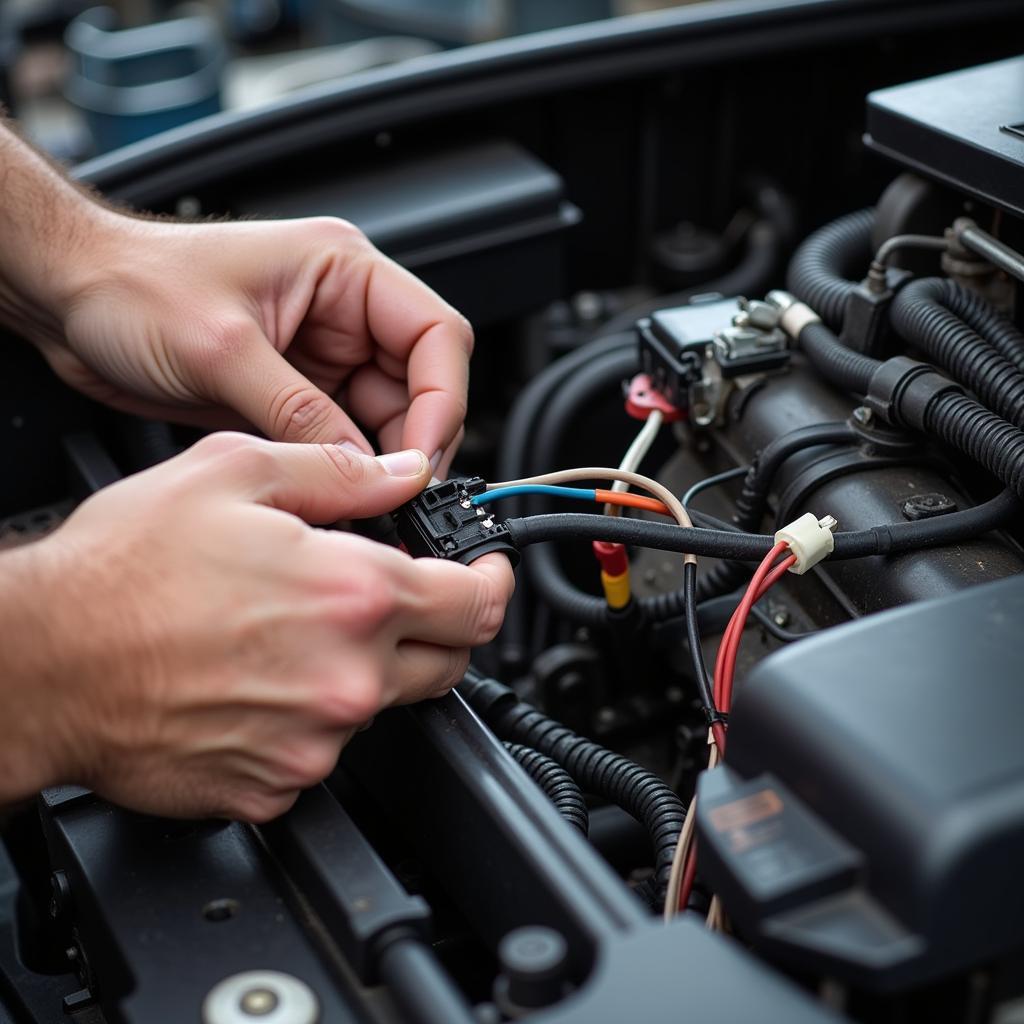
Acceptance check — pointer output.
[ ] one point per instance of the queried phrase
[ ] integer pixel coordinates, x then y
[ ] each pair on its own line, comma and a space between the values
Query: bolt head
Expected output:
258, 1002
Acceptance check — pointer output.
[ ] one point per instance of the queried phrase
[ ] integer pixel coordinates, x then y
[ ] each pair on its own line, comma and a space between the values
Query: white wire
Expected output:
635, 454
716, 916
660, 491
686, 834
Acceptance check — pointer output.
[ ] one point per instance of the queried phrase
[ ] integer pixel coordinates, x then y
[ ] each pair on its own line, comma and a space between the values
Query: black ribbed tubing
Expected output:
851, 371
952, 327
556, 782
980, 434
821, 269
597, 770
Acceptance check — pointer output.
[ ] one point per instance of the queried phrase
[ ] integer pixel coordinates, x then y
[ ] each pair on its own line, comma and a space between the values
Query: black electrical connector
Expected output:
442, 522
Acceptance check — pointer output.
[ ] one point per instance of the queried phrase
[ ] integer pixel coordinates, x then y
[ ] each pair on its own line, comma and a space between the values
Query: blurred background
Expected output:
84, 79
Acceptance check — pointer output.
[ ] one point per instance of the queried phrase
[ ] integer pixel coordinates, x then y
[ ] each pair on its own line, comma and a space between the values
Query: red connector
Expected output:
644, 398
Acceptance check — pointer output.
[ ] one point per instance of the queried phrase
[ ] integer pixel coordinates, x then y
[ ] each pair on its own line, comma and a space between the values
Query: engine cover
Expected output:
871, 817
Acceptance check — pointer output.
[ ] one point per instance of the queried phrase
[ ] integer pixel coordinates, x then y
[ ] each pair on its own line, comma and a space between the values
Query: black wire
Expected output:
890, 538
712, 481
700, 669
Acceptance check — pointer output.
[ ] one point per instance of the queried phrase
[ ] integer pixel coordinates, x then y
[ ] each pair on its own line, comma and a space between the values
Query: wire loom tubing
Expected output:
820, 271
596, 769
967, 336
556, 783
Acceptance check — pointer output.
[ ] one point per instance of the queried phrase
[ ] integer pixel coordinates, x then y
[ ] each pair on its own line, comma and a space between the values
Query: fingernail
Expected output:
407, 463
351, 446
435, 460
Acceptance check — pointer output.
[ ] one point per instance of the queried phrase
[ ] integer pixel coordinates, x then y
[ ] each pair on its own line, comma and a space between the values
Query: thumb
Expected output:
324, 482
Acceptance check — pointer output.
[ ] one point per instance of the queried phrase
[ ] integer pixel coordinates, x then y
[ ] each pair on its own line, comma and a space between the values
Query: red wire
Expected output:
768, 573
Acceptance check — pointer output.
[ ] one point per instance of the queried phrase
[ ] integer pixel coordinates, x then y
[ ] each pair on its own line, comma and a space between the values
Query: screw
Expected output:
863, 415
781, 617
258, 1002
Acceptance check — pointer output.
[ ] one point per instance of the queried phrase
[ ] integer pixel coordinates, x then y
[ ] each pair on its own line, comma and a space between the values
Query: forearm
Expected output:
52, 237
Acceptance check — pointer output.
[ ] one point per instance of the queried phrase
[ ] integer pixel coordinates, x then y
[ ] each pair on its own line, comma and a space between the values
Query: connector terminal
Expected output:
810, 539
443, 522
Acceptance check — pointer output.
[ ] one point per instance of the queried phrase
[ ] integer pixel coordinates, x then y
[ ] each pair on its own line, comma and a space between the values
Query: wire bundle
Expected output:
684, 864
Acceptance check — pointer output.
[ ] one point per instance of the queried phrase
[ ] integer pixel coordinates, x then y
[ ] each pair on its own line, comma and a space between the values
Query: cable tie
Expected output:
713, 716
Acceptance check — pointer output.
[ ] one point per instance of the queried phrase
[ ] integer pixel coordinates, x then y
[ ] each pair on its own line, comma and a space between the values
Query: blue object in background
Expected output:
447, 22
132, 83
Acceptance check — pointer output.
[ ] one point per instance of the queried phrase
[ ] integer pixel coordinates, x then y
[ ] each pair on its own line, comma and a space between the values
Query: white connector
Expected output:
810, 539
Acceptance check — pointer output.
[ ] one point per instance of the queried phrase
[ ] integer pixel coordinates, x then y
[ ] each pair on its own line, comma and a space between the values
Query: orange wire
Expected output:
631, 501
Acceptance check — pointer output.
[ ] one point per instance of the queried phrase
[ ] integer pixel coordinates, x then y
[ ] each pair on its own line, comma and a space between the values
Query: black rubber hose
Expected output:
980, 434
891, 538
820, 271
596, 769
767, 241
851, 371
512, 464
576, 394
556, 783
933, 313
753, 500
533, 399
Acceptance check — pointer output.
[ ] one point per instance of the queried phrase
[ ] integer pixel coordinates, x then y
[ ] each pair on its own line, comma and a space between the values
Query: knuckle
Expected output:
458, 663
259, 807
353, 699
298, 411
228, 340
341, 231
464, 333
255, 461
224, 442
352, 468
369, 601
309, 763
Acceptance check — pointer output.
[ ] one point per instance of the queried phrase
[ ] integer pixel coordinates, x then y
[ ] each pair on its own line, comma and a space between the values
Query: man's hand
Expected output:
185, 644
283, 322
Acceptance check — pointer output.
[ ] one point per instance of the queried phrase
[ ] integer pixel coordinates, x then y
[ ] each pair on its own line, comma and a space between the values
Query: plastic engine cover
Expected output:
870, 820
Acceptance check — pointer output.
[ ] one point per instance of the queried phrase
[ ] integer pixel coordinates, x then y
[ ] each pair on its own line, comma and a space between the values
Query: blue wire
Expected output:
580, 493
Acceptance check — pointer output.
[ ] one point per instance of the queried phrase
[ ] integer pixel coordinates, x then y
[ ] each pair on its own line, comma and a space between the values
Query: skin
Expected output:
189, 643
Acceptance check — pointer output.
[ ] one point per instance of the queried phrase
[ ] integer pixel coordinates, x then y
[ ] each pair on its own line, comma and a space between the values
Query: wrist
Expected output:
34, 682
56, 240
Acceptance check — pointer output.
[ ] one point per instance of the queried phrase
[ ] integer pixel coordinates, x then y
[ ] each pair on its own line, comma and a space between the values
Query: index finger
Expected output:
416, 326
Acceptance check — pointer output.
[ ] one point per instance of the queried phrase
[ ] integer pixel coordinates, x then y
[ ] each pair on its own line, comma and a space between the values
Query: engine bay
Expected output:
746, 413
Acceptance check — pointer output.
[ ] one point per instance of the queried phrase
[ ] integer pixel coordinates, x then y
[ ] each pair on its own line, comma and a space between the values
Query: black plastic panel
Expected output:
901, 734
965, 129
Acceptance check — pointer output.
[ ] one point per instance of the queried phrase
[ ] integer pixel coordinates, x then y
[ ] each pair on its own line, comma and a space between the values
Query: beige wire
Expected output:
716, 916
679, 513
660, 491
686, 834
635, 455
